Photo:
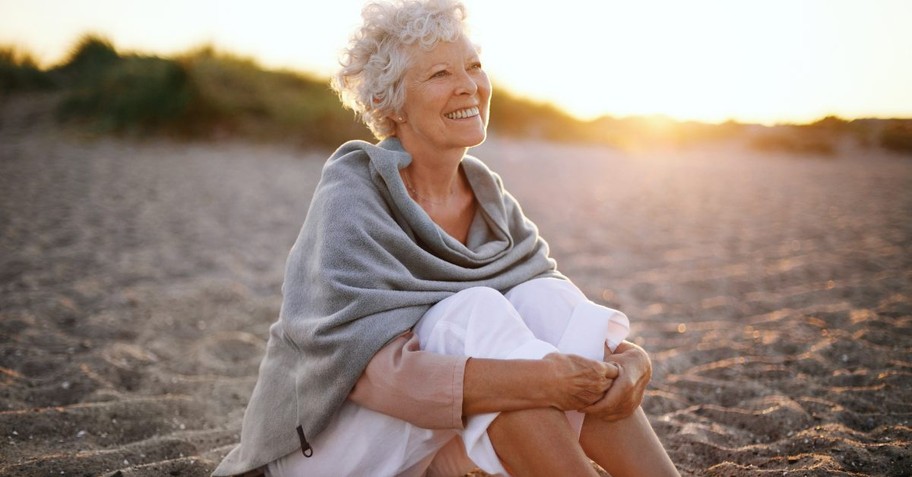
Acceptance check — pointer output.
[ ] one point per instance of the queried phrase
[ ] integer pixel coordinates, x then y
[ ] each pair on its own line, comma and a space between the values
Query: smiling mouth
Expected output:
463, 113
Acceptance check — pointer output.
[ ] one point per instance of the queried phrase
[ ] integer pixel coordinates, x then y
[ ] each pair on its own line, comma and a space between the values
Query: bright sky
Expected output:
751, 60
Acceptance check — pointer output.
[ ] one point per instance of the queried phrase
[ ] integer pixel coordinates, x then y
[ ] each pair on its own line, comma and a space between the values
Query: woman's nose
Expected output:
467, 84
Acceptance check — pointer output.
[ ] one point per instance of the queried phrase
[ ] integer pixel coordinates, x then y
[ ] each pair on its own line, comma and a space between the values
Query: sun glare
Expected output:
707, 60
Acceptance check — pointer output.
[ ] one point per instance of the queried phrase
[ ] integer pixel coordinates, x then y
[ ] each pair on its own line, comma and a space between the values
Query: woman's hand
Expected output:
626, 392
577, 382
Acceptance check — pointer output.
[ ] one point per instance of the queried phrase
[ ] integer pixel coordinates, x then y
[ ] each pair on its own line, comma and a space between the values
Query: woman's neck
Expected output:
444, 192
434, 184
434, 177
437, 183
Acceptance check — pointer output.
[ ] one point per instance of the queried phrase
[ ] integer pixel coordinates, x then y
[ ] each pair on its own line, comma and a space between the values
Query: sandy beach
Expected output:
138, 280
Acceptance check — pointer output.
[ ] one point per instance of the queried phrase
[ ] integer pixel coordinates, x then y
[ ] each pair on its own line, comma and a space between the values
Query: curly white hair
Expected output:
369, 81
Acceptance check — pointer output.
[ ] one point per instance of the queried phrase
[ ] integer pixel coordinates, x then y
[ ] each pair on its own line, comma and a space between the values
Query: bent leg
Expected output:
539, 442
480, 322
628, 447
557, 312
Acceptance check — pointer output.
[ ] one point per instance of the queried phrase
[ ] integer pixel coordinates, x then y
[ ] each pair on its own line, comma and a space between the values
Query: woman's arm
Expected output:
436, 391
417, 386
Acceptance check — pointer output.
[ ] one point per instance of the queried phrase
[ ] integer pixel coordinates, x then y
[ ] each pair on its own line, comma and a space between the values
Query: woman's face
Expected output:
447, 98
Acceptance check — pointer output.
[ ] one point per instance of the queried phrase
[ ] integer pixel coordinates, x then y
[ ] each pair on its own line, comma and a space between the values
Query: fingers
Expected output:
604, 408
583, 382
587, 399
610, 409
611, 370
609, 390
608, 370
620, 400
591, 389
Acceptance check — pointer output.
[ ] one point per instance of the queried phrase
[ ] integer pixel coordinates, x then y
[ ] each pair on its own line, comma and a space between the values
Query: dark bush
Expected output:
897, 136
516, 117
801, 140
89, 60
136, 94
830, 123
20, 72
238, 97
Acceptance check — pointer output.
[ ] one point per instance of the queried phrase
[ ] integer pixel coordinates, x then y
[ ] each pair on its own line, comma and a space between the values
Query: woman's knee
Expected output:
470, 322
557, 312
478, 303
486, 295
546, 305
547, 290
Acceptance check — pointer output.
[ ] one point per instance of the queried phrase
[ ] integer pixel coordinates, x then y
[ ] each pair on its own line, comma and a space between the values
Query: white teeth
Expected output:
464, 113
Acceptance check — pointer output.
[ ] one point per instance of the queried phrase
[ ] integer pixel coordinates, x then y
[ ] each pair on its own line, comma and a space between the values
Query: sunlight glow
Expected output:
709, 60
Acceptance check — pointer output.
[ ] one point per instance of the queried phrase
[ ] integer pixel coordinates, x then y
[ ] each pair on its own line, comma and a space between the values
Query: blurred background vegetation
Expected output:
206, 94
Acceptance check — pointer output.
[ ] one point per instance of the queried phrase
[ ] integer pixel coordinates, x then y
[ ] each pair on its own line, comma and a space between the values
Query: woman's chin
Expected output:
471, 137
484, 136
473, 140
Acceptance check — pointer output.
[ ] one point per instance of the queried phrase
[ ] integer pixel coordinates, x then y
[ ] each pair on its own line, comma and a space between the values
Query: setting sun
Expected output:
708, 60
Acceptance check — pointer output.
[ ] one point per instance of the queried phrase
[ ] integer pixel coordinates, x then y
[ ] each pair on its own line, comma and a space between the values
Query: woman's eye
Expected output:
439, 74
476, 66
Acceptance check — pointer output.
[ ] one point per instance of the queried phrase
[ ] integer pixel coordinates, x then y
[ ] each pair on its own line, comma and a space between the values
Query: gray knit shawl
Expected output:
367, 264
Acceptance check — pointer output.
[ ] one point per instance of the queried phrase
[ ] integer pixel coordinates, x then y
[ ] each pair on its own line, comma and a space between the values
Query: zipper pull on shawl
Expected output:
305, 446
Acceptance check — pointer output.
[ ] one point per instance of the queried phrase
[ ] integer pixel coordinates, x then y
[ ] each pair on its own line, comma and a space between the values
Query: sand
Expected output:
138, 280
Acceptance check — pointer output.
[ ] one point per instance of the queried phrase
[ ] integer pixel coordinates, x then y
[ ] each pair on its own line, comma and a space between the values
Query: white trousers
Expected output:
532, 320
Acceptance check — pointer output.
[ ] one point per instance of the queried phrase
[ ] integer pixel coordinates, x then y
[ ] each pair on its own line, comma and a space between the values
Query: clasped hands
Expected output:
610, 390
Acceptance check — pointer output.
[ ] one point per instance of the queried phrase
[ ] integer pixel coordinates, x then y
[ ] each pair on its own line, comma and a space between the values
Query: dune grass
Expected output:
235, 96
203, 94
20, 72
135, 94
794, 140
896, 136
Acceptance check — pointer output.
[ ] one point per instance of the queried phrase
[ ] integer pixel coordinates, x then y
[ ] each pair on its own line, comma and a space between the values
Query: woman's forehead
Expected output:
444, 52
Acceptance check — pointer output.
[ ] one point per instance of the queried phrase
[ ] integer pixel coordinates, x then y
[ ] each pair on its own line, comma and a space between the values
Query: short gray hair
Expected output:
369, 81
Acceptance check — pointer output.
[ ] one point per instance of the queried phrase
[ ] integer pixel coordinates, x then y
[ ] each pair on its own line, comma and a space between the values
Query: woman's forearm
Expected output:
492, 385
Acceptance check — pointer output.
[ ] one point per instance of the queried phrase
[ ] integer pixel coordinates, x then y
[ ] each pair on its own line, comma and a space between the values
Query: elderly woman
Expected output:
424, 329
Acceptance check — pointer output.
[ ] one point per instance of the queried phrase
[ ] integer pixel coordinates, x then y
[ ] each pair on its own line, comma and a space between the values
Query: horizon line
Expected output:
46, 64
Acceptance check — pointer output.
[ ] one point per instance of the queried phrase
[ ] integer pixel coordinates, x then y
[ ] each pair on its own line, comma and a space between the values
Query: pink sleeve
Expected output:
420, 387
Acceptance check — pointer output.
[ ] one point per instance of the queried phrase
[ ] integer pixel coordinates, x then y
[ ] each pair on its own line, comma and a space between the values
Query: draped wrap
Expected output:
366, 266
